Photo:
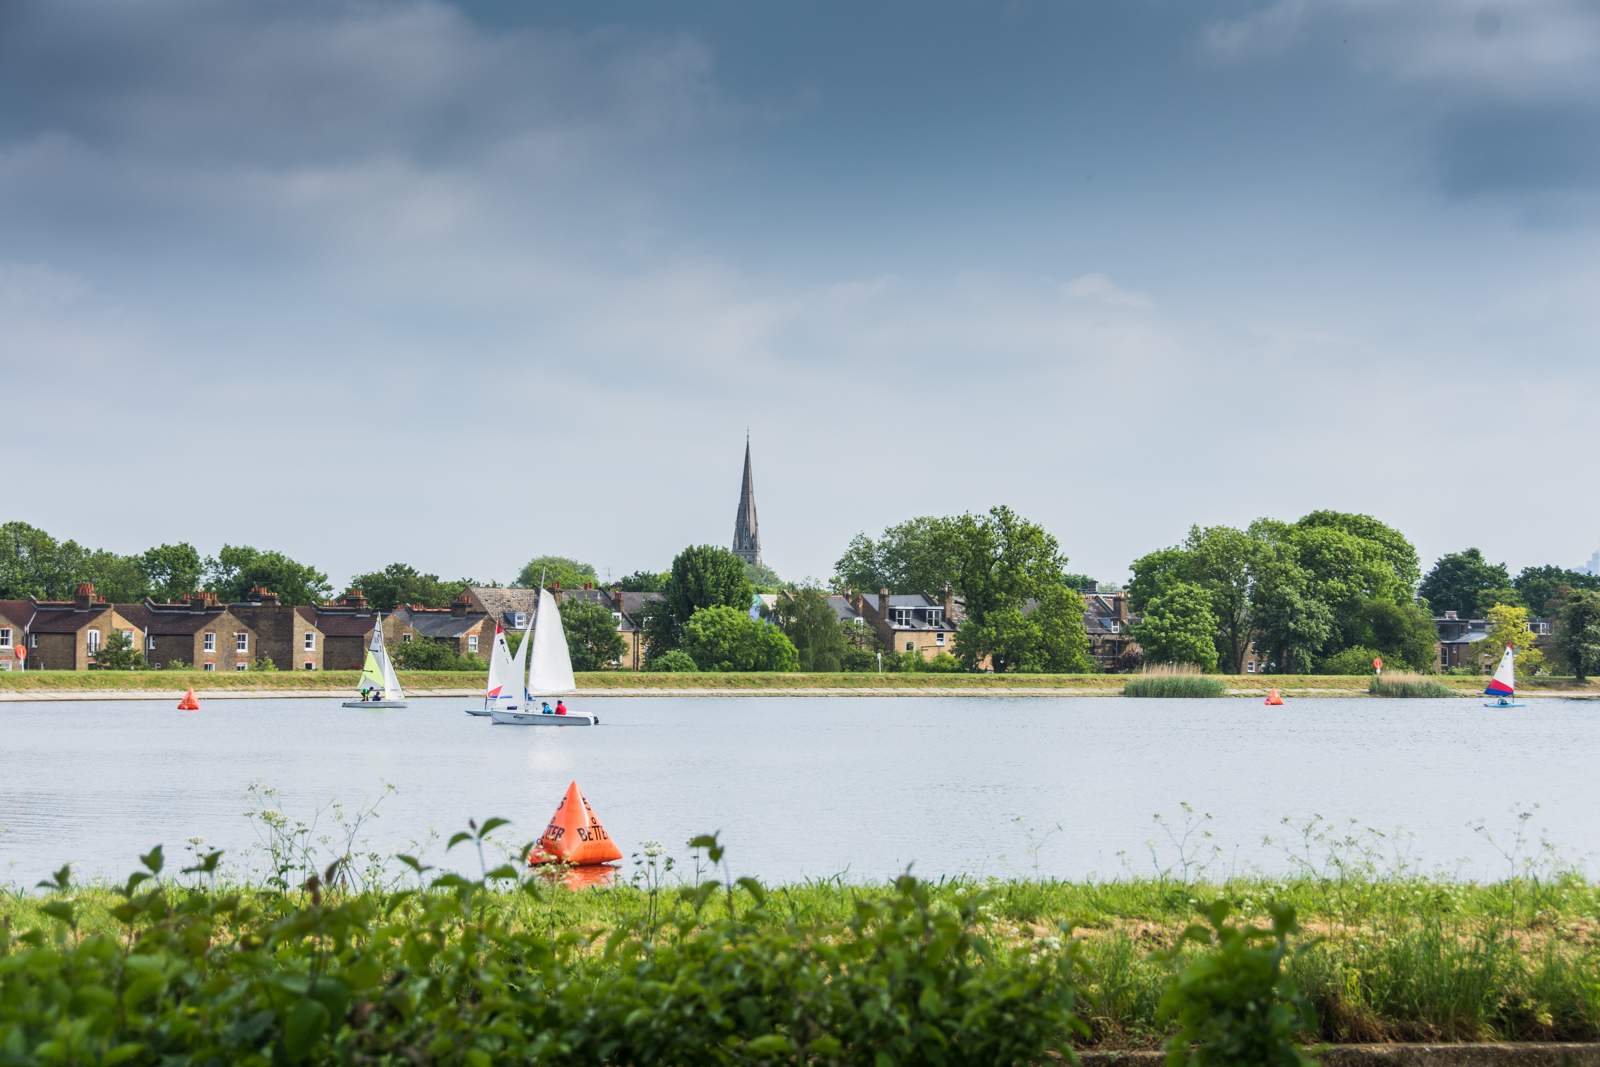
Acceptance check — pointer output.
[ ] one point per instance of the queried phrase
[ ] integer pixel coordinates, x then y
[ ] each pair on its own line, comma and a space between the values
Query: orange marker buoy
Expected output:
1273, 697
189, 702
574, 835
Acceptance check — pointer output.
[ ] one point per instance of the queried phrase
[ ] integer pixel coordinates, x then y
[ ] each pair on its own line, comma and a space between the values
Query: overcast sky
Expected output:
457, 285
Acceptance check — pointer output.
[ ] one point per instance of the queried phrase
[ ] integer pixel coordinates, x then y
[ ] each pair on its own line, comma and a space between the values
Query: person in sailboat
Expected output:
544, 708
561, 706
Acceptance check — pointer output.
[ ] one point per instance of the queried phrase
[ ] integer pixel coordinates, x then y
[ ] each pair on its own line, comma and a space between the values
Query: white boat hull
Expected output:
539, 718
479, 712
373, 704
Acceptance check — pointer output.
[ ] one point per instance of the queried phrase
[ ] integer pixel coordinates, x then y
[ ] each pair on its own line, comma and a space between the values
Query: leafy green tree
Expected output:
676, 661
1395, 549
1292, 628
763, 578
1353, 661
171, 571
702, 576
1508, 626
1344, 572
236, 570
1221, 560
1577, 633
32, 563
721, 638
1403, 633
1179, 627
424, 655
1458, 579
1000, 561
543, 570
117, 578
1489, 599
911, 557
118, 653
399, 583
644, 582
592, 638
1538, 585
810, 622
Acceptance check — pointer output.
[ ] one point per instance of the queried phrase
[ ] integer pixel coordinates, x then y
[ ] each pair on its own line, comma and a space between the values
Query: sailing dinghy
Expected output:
377, 675
1503, 685
549, 672
505, 676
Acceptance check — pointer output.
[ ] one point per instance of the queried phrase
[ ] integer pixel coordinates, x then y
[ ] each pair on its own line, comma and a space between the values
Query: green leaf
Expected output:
153, 860
307, 1020
126, 912
456, 839
59, 909
768, 1045
492, 824
505, 870
754, 888
333, 995
120, 1053
826, 1046
207, 865
365, 972
62, 879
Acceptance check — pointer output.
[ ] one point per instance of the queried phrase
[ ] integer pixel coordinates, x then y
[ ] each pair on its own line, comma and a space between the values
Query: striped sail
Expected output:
500, 675
1504, 682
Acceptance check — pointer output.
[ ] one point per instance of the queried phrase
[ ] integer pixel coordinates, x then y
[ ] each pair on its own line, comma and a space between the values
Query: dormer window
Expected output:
901, 616
519, 619
935, 616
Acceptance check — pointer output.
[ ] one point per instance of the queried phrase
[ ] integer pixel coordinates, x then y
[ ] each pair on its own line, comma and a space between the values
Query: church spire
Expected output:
746, 531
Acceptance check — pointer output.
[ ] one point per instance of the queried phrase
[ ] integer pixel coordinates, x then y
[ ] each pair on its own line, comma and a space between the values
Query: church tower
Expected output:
746, 531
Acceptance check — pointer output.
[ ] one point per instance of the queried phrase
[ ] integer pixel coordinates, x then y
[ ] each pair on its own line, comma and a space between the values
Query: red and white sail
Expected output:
504, 682
1504, 682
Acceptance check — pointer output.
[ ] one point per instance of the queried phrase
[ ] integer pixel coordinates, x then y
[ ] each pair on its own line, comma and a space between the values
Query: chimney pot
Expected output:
616, 600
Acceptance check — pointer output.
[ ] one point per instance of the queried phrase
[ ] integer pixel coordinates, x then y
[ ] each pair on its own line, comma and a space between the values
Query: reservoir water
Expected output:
800, 787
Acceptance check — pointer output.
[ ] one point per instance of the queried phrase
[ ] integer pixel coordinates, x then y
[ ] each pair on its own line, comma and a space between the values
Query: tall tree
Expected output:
171, 571
1293, 627
400, 583
644, 582
237, 569
1538, 585
1508, 626
811, 624
721, 638
32, 563
1403, 633
1396, 550
702, 576
592, 638
1458, 578
1577, 635
117, 578
1178, 627
543, 570
911, 557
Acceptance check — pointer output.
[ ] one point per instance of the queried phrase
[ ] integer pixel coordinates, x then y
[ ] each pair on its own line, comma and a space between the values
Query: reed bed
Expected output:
1407, 684
1174, 680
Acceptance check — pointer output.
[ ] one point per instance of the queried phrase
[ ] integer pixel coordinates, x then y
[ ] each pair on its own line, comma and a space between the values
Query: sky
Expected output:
460, 284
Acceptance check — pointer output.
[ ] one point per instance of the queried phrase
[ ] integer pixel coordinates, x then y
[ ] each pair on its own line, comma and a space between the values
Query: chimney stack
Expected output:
84, 598
949, 605
616, 600
458, 607
555, 591
1119, 606
269, 599
883, 604
356, 599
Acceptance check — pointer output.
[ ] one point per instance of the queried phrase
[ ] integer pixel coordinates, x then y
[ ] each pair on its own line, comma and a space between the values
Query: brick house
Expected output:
15, 615
911, 622
465, 631
628, 611
1106, 619
197, 631
63, 634
288, 635
344, 630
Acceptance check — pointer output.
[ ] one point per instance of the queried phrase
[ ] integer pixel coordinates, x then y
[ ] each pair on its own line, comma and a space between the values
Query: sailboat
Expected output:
505, 675
549, 671
1503, 685
377, 675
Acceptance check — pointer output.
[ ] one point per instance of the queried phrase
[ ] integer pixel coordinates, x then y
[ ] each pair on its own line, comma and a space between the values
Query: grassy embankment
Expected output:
422, 681
1385, 959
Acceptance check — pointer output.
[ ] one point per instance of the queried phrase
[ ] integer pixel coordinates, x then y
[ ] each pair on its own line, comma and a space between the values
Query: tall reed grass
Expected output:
1173, 680
1407, 684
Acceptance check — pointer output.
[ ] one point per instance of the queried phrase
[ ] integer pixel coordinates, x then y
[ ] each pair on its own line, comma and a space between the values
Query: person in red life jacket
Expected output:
561, 708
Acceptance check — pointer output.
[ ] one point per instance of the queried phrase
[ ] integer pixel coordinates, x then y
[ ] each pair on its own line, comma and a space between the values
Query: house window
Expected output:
94, 640
33, 640
310, 666
405, 639
241, 642
617, 616
911, 646
472, 642
211, 642
938, 639
935, 616
519, 619
1250, 668
902, 616
211, 666
5, 637
311, 641
240, 666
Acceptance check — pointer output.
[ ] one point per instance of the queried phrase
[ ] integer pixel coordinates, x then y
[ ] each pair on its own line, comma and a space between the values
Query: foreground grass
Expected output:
1396, 959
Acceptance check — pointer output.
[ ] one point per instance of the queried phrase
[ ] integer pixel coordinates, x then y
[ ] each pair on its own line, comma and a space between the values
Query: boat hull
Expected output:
373, 704
479, 712
1505, 704
539, 718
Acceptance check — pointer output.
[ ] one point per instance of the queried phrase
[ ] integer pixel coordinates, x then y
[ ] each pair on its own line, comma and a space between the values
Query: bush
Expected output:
720, 638
1406, 684
263, 663
1173, 680
1351, 661
675, 662
424, 655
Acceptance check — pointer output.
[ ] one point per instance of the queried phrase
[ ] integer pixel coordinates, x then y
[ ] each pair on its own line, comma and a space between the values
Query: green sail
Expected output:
371, 673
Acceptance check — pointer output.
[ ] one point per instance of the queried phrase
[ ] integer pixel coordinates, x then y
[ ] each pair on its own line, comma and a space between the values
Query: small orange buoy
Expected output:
574, 835
189, 701
1273, 697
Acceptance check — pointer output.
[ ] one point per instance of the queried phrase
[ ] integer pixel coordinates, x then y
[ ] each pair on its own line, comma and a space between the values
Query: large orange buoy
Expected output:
189, 702
1273, 697
574, 835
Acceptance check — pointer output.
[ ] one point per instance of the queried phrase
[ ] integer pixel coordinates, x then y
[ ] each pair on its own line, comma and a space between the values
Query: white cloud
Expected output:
1099, 287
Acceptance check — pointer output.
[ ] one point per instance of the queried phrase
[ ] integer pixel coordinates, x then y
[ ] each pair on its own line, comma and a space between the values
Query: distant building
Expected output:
746, 531
1592, 567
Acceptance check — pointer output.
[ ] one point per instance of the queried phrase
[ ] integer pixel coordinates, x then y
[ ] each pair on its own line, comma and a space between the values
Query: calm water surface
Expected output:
802, 786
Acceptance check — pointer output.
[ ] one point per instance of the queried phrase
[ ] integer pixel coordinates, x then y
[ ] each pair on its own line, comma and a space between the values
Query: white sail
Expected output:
1504, 682
519, 669
550, 666
391, 683
500, 673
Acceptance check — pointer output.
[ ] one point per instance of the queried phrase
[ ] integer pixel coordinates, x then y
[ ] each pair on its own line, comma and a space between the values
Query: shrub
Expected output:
118, 654
1173, 680
1351, 661
263, 663
676, 662
720, 638
1407, 684
427, 655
